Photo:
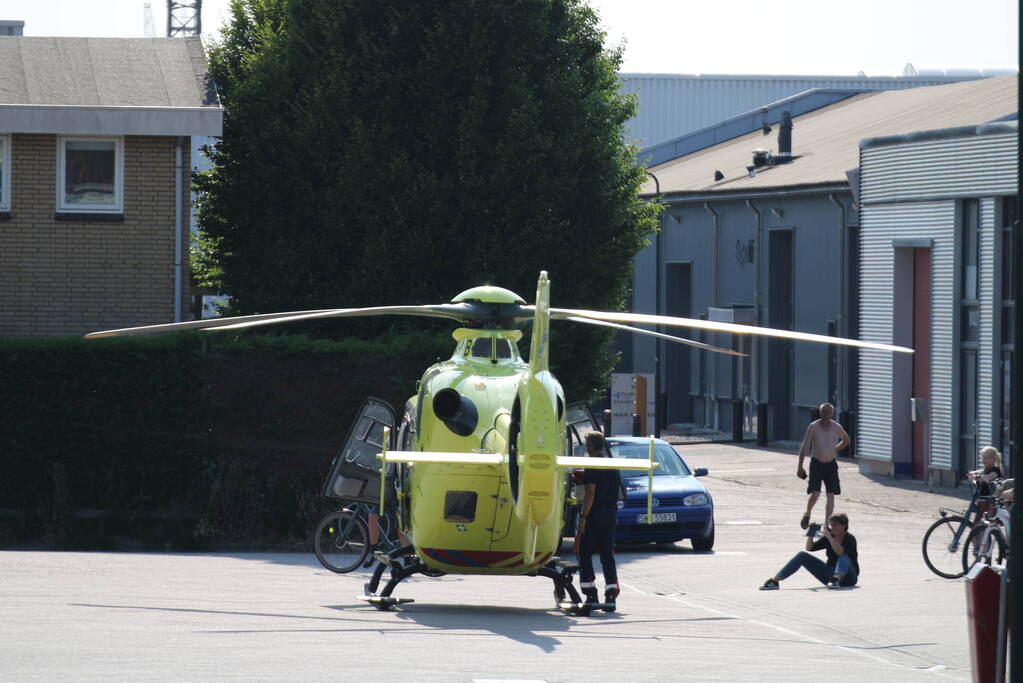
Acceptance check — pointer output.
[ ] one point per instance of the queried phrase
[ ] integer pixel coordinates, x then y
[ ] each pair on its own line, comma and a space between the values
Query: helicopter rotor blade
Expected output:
461, 312
659, 335
452, 311
711, 326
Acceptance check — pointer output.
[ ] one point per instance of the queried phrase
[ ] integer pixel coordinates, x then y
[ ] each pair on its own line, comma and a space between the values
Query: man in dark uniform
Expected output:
597, 525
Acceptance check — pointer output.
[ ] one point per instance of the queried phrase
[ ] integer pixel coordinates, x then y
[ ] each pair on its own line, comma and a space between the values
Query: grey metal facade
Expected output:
674, 104
914, 191
793, 243
779, 245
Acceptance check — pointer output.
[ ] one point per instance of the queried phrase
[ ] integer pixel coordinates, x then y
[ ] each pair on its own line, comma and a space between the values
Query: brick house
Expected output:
94, 180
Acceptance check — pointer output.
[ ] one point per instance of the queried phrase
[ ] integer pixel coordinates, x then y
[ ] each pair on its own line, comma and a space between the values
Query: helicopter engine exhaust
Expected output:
456, 411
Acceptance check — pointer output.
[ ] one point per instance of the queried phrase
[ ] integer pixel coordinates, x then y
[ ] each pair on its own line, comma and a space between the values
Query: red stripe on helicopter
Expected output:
542, 559
517, 560
470, 558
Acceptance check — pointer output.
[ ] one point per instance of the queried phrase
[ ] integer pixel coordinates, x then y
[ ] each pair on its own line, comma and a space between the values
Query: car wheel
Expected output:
705, 543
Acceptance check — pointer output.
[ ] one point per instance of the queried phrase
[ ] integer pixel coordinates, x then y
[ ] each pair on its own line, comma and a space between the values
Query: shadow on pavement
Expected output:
193, 610
918, 486
515, 623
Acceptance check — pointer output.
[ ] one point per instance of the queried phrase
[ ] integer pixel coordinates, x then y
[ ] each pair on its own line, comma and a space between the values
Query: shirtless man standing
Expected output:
824, 438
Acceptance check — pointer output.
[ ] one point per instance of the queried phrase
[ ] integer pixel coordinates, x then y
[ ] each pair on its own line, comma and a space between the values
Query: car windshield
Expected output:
670, 462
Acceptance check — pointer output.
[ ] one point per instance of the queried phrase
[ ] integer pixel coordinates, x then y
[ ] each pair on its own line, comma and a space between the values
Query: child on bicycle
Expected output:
985, 477
990, 470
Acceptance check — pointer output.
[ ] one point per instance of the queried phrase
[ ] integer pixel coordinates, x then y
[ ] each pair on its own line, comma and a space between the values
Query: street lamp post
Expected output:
1016, 404
657, 310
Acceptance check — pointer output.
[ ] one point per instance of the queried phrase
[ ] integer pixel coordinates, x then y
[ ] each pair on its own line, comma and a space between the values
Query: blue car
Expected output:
683, 508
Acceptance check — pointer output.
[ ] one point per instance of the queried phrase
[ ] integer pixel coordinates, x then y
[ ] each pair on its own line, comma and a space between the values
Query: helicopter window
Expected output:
481, 347
375, 434
460, 506
504, 349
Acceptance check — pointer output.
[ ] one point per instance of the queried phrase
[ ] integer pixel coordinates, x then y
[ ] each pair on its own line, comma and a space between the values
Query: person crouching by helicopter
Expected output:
597, 525
374, 526
374, 534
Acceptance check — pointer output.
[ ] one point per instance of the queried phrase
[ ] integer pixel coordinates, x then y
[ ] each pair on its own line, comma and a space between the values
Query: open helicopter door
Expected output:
355, 470
580, 421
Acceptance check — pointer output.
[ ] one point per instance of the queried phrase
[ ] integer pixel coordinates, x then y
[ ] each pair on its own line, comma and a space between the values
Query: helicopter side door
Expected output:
579, 420
406, 437
355, 470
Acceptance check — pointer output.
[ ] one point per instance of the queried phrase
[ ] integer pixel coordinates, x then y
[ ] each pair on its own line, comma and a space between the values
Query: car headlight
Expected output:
695, 499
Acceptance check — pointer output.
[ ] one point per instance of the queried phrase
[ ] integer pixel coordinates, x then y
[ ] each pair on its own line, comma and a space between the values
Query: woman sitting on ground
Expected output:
841, 568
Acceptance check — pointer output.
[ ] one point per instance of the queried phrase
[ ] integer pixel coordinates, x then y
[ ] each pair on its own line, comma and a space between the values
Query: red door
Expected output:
922, 357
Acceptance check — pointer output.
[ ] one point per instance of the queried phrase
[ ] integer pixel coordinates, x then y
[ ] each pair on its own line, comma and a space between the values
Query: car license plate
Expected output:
658, 517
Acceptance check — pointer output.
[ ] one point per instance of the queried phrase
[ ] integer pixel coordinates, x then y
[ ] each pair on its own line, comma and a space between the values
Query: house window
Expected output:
90, 174
5, 172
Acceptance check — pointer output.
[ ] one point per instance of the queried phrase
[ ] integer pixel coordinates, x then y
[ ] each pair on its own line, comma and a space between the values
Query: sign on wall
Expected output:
623, 401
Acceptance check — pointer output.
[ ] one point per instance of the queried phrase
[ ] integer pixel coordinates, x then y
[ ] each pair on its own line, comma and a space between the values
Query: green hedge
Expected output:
227, 437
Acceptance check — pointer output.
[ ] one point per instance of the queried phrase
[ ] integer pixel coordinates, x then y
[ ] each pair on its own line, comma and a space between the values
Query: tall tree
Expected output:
399, 151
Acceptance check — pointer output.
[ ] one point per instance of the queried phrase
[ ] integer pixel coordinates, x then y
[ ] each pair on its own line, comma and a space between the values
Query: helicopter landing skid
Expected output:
583, 609
560, 572
382, 603
399, 572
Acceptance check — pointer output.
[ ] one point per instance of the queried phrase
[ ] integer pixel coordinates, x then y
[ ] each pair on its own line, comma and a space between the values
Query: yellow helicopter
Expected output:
481, 452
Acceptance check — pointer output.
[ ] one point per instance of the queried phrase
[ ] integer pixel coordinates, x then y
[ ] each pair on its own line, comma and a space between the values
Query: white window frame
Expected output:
5, 171
118, 205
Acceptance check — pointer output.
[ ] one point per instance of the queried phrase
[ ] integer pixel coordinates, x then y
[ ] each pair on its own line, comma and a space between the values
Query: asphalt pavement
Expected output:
683, 615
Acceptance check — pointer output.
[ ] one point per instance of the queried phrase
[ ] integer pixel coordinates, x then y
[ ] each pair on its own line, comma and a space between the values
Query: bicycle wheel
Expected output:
341, 543
940, 554
993, 550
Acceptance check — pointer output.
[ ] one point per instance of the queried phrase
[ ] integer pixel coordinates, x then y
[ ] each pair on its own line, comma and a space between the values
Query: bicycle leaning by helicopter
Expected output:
341, 541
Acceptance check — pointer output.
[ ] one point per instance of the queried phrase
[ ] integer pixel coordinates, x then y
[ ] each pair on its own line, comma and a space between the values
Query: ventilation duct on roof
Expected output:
785, 134
763, 158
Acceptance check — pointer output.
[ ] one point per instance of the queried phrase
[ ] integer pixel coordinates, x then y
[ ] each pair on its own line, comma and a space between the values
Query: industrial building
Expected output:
671, 105
762, 230
936, 210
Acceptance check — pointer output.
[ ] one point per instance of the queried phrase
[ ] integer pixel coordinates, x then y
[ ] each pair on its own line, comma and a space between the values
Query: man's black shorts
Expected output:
826, 472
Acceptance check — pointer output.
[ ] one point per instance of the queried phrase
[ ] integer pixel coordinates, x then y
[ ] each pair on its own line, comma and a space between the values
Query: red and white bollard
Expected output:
986, 594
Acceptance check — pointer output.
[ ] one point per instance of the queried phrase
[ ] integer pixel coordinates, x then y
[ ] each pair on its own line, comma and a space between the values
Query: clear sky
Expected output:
877, 37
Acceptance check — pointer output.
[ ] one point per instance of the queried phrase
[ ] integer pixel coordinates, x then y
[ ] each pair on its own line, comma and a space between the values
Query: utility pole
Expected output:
1016, 405
184, 18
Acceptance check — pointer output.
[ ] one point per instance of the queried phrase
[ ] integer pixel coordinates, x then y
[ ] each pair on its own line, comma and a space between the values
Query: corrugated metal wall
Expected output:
986, 381
974, 166
671, 105
879, 225
896, 183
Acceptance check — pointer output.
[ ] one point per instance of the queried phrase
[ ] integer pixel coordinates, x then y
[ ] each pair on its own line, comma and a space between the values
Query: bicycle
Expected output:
987, 537
941, 544
341, 541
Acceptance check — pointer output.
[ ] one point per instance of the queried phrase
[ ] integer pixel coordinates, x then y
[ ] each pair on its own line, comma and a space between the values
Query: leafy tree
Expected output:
398, 151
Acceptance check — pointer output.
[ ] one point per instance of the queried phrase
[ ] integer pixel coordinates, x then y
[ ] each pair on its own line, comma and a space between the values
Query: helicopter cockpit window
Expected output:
481, 348
504, 349
460, 506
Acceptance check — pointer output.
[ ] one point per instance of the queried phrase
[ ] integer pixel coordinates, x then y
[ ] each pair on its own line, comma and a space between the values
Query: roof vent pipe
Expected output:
785, 134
